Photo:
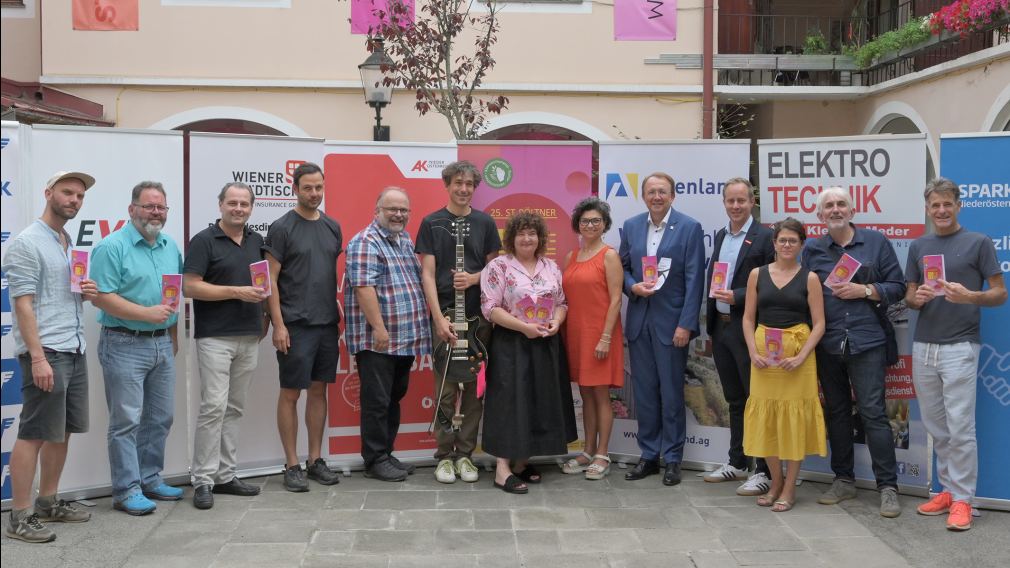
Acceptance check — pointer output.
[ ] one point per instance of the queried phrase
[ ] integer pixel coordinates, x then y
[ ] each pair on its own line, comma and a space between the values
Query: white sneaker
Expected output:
725, 472
467, 471
445, 472
757, 484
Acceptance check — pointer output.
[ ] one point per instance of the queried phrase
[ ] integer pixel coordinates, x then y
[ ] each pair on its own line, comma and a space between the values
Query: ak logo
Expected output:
621, 185
497, 173
420, 166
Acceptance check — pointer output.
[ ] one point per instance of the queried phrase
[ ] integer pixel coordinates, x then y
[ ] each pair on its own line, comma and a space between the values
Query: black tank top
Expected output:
782, 307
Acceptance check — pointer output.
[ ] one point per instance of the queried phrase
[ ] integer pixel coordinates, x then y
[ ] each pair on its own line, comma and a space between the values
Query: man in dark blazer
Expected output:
662, 318
745, 244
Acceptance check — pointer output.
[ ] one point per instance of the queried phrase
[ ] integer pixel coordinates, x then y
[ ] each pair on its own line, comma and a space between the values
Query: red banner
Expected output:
106, 15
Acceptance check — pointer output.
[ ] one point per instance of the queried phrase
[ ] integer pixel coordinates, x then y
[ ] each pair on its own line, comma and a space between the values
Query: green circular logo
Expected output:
498, 173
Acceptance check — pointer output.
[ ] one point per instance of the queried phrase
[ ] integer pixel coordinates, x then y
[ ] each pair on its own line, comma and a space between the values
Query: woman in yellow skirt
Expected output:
783, 421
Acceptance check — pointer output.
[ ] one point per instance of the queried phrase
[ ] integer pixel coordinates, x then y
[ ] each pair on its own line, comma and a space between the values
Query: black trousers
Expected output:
732, 361
384, 380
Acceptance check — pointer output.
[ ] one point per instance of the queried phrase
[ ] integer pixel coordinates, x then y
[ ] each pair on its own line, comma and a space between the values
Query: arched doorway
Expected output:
229, 126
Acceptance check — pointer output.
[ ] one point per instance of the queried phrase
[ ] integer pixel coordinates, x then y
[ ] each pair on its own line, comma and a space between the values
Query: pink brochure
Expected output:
650, 269
720, 278
260, 274
773, 345
171, 290
545, 310
933, 272
843, 272
78, 269
528, 309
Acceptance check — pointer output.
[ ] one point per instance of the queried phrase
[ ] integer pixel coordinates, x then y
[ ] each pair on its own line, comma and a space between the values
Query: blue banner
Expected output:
978, 164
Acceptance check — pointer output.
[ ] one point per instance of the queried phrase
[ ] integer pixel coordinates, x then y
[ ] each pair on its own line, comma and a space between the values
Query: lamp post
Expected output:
377, 95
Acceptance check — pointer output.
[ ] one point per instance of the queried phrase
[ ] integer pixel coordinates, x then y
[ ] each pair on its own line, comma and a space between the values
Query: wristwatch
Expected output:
869, 290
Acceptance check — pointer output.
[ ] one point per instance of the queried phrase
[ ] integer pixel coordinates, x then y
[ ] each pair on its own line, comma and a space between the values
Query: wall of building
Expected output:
20, 53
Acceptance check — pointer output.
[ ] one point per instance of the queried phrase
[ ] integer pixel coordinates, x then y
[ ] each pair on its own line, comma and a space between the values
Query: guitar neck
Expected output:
459, 309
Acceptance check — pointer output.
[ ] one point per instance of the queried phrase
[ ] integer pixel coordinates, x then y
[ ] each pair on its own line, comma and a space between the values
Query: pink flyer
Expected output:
260, 274
773, 345
650, 269
933, 272
528, 309
843, 272
171, 290
78, 269
545, 310
720, 278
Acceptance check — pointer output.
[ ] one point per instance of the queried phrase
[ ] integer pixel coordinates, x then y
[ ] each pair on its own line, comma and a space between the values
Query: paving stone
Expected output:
188, 539
330, 542
162, 561
277, 555
650, 560
488, 500
276, 532
223, 510
573, 560
433, 520
400, 500
338, 520
345, 561
759, 538
777, 558
538, 542
569, 498
613, 540
861, 551
492, 519
550, 519
713, 559
311, 501
659, 498
725, 517
345, 500
393, 542
825, 526
627, 518
440, 560
679, 540
474, 542
493, 560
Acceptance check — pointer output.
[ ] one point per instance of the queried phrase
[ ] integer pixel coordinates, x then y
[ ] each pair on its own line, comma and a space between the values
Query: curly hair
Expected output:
521, 221
592, 204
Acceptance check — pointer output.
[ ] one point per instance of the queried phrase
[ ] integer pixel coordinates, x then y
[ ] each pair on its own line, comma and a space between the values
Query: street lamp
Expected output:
377, 95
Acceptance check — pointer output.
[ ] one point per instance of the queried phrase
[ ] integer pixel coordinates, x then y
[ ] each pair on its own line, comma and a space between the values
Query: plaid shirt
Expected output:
389, 265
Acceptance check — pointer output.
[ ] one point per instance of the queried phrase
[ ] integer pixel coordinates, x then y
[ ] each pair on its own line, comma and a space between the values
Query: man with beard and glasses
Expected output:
302, 248
387, 326
137, 349
852, 355
229, 325
49, 342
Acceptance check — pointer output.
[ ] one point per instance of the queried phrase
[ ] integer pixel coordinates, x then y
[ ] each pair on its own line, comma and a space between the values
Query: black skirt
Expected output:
528, 408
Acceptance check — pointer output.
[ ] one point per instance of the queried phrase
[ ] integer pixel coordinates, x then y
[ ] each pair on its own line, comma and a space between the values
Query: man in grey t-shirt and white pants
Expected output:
946, 348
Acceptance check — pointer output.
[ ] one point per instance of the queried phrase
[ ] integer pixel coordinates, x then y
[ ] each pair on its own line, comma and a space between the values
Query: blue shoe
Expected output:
164, 492
135, 505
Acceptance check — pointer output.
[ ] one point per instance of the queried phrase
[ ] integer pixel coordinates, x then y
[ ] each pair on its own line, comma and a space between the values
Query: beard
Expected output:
152, 228
65, 213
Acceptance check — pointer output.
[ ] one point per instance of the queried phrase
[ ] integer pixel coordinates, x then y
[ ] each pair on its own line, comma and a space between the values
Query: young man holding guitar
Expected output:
455, 243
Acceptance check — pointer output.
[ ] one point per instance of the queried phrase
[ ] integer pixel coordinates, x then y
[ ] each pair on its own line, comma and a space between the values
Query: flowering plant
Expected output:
965, 16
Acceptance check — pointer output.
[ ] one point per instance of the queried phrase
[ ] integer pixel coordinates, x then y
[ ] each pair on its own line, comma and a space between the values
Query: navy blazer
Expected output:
678, 302
757, 250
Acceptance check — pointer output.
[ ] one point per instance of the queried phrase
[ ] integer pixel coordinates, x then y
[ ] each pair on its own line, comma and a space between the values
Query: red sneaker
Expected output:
938, 505
959, 518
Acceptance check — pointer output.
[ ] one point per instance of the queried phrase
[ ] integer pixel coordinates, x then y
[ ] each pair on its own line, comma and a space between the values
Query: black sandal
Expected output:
512, 485
530, 474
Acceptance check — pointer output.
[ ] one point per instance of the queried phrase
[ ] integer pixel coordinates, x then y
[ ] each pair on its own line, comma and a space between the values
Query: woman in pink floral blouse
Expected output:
528, 406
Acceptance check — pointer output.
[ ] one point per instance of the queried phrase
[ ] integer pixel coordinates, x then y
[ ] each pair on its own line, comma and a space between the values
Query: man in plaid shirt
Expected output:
386, 327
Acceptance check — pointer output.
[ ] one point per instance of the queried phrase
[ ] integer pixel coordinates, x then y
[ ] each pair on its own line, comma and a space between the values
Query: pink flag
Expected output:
363, 17
642, 20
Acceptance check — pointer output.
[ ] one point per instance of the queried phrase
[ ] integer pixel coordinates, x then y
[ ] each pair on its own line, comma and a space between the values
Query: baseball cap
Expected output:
60, 176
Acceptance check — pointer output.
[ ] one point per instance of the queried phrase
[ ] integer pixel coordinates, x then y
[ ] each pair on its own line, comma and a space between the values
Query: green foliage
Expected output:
815, 43
912, 33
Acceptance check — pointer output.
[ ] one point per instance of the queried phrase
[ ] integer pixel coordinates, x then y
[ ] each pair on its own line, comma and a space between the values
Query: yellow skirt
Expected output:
783, 417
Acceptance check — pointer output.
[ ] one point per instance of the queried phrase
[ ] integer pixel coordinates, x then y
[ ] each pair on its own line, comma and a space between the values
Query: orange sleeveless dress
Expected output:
585, 286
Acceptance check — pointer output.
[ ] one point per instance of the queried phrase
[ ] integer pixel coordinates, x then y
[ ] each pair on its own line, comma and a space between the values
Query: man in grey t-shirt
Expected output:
945, 353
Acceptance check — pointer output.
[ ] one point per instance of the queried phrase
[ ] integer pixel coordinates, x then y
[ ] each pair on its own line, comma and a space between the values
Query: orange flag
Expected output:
106, 15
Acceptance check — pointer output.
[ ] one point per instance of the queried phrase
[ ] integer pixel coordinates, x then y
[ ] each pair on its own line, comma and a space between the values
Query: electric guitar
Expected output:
460, 361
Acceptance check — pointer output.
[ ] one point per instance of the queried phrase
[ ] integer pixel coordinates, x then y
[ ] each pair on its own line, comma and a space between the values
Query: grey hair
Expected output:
238, 184
390, 189
140, 187
833, 191
942, 185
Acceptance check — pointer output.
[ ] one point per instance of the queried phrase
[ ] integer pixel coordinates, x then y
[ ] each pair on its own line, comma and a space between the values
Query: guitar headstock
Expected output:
460, 228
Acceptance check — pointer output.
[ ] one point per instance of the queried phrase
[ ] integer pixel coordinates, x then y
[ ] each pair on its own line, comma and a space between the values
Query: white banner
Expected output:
264, 163
699, 169
118, 159
885, 175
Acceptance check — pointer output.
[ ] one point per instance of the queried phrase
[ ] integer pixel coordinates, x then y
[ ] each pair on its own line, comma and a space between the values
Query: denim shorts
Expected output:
313, 356
50, 416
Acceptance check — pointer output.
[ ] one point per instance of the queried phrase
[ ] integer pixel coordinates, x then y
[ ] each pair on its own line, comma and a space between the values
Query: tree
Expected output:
426, 60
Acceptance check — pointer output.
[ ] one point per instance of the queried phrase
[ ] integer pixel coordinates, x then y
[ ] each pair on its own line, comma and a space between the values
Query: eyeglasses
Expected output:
396, 210
787, 242
152, 208
597, 221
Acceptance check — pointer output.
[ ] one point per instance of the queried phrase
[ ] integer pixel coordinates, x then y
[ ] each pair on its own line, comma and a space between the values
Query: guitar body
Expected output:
465, 358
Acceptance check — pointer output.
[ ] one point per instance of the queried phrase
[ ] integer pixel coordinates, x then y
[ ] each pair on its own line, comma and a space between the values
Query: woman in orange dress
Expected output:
592, 283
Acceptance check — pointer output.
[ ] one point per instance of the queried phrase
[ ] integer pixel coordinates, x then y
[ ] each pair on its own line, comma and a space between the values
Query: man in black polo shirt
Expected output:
229, 326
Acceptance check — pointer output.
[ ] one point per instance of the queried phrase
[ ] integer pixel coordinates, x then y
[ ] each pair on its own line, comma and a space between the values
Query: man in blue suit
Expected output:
662, 319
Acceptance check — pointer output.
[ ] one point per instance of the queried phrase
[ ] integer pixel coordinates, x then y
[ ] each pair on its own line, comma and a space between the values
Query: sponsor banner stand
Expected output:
884, 174
264, 163
356, 172
12, 222
977, 163
699, 169
118, 159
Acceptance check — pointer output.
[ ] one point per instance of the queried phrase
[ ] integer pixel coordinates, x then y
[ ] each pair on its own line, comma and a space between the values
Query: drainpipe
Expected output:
707, 98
